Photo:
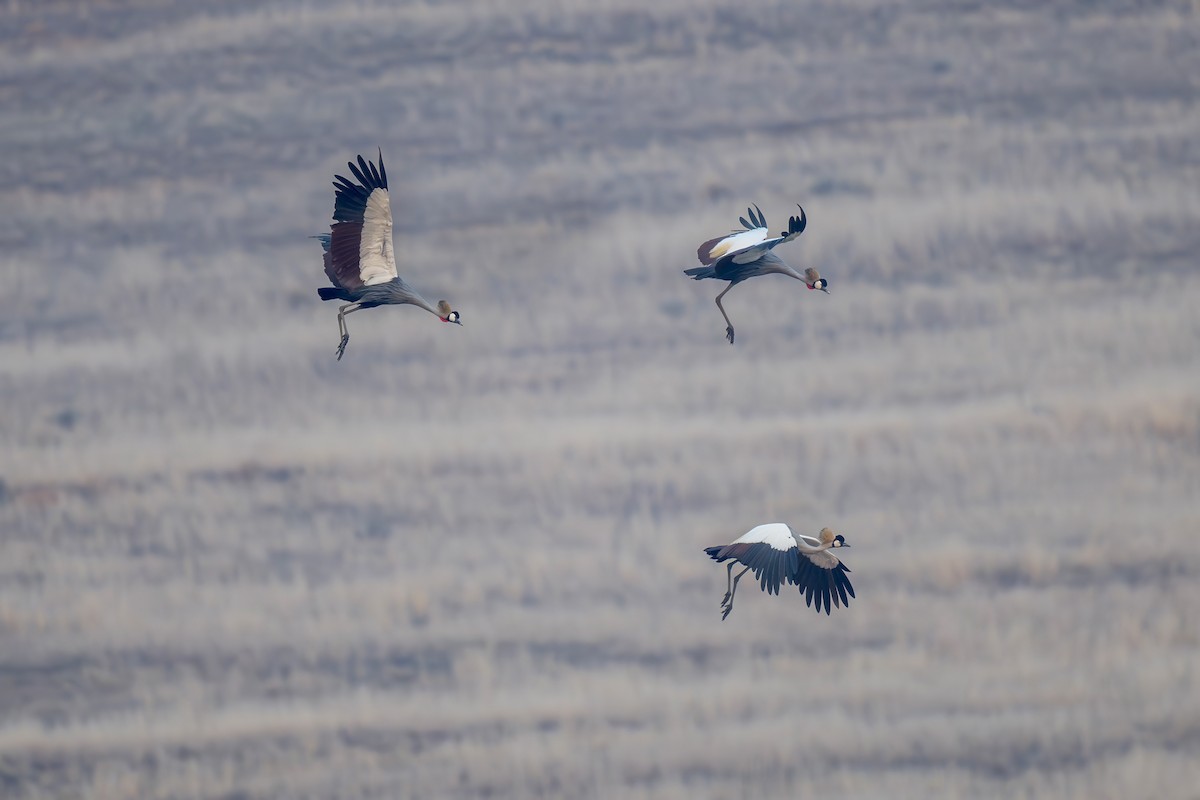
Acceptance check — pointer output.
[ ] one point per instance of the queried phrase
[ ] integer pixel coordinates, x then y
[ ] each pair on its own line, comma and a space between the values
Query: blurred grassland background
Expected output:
467, 562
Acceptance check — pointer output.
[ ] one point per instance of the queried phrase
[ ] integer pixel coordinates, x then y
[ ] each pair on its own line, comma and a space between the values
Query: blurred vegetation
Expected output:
468, 562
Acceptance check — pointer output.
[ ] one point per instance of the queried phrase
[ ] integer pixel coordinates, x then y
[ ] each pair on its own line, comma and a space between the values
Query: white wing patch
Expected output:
755, 252
776, 534
376, 256
736, 242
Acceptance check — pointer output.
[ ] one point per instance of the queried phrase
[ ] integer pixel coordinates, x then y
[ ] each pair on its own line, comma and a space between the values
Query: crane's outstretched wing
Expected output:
361, 252
749, 245
796, 226
769, 550
753, 233
823, 576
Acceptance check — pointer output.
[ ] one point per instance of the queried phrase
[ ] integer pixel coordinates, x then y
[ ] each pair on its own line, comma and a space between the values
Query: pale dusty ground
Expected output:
467, 562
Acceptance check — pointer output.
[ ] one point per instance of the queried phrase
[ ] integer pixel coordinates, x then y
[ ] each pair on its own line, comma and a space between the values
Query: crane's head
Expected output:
815, 281
832, 539
447, 313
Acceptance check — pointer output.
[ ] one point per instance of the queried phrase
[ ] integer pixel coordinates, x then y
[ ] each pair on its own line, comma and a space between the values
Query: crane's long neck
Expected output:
773, 263
403, 293
805, 547
425, 304
785, 268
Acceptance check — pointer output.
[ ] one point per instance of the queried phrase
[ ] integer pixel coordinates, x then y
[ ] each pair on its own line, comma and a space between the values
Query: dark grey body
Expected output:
726, 269
394, 292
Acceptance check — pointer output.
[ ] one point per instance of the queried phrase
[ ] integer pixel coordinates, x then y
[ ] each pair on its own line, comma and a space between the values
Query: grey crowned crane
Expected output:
748, 253
779, 556
360, 258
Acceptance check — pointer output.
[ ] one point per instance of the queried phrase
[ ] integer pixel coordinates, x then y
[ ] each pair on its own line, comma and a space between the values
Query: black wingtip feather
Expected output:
360, 173
377, 172
841, 587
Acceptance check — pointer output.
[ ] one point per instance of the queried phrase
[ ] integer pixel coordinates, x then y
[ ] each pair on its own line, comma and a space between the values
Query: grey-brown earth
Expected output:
468, 562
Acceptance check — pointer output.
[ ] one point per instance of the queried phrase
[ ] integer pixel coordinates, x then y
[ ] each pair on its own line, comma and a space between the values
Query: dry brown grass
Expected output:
467, 563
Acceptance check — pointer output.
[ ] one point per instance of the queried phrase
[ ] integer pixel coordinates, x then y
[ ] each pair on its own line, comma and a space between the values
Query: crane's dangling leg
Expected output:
729, 329
349, 308
728, 582
733, 591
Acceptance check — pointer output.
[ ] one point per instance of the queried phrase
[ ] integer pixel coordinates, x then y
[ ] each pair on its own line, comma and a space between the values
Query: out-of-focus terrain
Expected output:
467, 562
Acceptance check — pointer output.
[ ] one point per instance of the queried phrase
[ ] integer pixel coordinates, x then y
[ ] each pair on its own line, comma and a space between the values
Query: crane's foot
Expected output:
725, 602
342, 347
729, 334
728, 608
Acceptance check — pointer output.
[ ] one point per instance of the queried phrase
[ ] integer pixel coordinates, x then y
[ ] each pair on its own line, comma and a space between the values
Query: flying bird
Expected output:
360, 258
779, 556
747, 253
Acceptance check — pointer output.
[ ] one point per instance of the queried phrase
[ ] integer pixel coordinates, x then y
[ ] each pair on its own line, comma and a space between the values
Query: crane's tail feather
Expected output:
326, 240
333, 293
715, 552
700, 273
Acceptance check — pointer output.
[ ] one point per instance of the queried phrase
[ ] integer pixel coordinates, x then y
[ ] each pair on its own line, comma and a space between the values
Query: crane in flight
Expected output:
747, 253
778, 556
360, 258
